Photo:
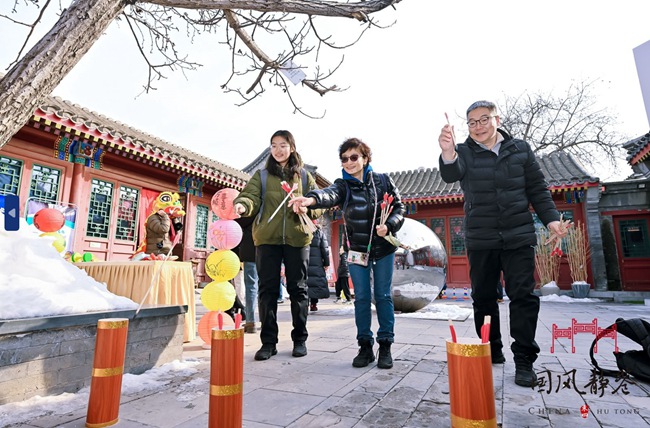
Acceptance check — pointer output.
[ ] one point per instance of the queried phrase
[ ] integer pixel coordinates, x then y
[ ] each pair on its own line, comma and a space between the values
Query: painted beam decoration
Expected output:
77, 151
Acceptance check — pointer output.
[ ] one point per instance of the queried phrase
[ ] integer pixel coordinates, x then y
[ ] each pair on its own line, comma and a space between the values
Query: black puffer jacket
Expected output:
319, 259
359, 209
343, 269
498, 191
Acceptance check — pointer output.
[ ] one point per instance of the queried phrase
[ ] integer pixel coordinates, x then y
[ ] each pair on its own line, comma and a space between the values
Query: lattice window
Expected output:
45, 183
201, 232
634, 238
127, 213
10, 170
99, 213
438, 227
457, 237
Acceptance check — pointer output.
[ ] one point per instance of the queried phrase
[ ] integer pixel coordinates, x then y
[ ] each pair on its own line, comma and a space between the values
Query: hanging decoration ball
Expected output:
58, 240
218, 296
210, 320
222, 265
225, 234
222, 203
49, 220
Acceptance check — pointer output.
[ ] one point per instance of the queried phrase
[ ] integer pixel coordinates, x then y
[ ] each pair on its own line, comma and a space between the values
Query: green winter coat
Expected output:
285, 228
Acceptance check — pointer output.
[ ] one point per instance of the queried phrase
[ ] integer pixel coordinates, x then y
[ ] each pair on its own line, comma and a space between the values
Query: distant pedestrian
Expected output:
319, 259
246, 252
343, 278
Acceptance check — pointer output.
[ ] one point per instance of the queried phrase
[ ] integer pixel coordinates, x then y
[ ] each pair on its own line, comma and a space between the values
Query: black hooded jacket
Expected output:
362, 202
498, 191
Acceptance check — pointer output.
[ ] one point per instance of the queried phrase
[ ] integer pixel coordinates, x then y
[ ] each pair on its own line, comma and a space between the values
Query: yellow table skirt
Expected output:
174, 286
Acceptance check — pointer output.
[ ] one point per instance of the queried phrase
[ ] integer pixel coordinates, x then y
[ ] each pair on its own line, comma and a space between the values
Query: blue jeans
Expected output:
382, 271
250, 285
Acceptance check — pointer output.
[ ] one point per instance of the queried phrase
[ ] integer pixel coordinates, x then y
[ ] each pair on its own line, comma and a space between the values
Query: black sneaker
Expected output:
525, 375
265, 352
299, 349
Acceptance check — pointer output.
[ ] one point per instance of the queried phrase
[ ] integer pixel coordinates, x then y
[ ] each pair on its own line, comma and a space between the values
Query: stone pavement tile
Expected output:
431, 366
419, 381
355, 404
74, 418
164, 409
610, 414
640, 403
409, 352
309, 383
514, 417
277, 407
326, 420
429, 414
380, 382
402, 398
199, 421
384, 417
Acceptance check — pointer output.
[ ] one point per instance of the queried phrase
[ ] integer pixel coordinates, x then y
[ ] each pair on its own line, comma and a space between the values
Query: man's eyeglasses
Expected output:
483, 120
353, 158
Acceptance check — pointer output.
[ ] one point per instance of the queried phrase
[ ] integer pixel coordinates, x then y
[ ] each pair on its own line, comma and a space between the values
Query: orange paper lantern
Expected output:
210, 320
225, 234
218, 296
222, 265
49, 220
222, 204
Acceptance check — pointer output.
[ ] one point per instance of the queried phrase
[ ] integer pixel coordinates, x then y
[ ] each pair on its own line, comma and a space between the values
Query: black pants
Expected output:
518, 267
269, 259
342, 284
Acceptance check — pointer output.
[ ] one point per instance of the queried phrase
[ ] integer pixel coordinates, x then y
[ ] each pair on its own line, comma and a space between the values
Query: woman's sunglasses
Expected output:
353, 158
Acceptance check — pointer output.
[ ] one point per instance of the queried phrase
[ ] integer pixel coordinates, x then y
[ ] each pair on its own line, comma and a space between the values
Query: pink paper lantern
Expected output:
225, 234
222, 204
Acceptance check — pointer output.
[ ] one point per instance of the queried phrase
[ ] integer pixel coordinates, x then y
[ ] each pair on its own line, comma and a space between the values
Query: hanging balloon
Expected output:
222, 265
49, 220
210, 320
222, 203
225, 234
218, 296
58, 240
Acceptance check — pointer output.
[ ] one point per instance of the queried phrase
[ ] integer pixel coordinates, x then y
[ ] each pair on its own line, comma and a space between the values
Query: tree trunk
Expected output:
35, 76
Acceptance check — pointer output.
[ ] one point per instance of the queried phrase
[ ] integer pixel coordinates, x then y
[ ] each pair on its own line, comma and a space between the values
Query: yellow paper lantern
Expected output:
218, 296
222, 265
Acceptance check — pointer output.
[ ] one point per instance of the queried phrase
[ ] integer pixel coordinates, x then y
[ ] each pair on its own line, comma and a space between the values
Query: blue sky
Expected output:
437, 58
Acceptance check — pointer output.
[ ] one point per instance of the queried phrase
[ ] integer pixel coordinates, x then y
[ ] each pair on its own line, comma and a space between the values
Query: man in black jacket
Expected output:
500, 178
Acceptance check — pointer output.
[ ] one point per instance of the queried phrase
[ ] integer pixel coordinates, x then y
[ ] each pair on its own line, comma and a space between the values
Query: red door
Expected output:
633, 245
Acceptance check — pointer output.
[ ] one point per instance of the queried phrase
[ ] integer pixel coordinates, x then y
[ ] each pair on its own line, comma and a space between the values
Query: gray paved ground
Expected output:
324, 390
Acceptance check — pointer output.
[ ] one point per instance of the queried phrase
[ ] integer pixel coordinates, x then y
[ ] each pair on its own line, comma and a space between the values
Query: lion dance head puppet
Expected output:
161, 227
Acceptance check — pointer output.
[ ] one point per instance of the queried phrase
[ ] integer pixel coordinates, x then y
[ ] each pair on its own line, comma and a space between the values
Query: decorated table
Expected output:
174, 285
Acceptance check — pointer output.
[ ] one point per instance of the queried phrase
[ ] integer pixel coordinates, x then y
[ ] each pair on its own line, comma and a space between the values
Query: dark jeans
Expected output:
342, 284
269, 260
518, 268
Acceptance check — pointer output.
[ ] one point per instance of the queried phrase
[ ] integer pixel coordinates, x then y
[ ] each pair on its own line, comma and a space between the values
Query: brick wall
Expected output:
37, 361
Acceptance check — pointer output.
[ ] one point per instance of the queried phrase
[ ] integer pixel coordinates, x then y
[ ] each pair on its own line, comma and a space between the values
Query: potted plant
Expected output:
578, 254
547, 264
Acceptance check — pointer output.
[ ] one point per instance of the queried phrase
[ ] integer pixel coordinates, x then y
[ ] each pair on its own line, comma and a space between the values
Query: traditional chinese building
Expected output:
107, 173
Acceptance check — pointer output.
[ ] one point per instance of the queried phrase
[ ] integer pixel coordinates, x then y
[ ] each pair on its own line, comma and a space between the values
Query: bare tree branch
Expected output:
155, 25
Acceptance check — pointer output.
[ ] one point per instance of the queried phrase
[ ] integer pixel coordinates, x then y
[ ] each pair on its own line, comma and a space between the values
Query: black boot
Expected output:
524, 372
365, 355
385, 360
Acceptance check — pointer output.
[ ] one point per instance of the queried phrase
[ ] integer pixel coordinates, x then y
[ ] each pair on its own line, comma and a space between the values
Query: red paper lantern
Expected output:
210, 320
222, 203
49, 220
225, 234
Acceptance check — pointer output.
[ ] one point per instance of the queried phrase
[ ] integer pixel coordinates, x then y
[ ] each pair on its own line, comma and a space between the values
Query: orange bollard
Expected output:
471, 387
226, 378
108, 368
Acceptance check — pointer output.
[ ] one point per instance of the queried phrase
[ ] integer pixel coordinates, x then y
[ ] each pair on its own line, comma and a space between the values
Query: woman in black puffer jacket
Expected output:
360, 193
